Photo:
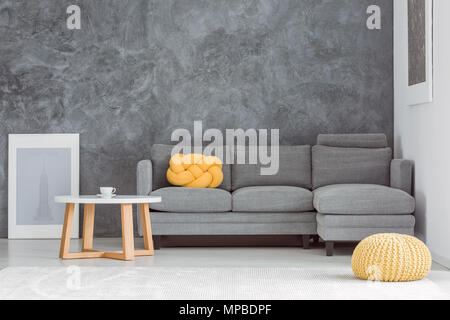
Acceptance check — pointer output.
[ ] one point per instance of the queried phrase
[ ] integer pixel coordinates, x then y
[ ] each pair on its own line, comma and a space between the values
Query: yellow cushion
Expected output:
391, 257
195, 171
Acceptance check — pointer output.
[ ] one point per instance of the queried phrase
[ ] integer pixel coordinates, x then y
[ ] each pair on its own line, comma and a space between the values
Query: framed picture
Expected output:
41, 166
420, 51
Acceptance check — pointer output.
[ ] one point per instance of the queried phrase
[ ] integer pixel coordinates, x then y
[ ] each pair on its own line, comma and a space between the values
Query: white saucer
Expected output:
105, 197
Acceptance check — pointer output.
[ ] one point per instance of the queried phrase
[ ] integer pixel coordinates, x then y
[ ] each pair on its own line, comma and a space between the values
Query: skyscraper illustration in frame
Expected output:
42, 173
41, 167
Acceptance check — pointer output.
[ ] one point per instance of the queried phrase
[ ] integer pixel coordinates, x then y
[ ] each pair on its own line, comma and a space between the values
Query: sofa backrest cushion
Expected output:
294, 170
332, 165
160, 156
356, 140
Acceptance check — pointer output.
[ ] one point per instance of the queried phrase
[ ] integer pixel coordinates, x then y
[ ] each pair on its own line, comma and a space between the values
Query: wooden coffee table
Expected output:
126, 203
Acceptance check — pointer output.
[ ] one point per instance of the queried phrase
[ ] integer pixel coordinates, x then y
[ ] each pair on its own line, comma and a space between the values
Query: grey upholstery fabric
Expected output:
294, 170
232, 217
366, 221
144, 177
160, 156
332, 165
358, 227
176, 199
143, 183
233, 223
272, 199
401, 175
362, 199
357, 234
371, 140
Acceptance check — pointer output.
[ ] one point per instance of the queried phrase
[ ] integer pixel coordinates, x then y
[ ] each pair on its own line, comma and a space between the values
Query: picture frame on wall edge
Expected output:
40, 167
420, 51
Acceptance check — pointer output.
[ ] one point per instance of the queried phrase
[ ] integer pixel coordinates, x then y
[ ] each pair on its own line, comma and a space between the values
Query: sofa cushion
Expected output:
331, 165
160, 155
175, 199
272, 199
294, 170
362, 199
195, 171
355, 140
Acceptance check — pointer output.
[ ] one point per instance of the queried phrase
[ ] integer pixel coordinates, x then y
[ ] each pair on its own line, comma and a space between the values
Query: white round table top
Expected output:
100, 200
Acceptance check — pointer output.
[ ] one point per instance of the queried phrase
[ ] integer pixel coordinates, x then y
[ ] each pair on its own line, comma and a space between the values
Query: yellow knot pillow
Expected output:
195, 171
391, 257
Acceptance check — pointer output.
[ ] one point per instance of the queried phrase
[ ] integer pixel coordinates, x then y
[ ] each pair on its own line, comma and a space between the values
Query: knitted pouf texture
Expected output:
391, 257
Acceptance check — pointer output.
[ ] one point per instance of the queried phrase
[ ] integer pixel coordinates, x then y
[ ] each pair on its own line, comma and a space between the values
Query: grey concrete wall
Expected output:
139, 69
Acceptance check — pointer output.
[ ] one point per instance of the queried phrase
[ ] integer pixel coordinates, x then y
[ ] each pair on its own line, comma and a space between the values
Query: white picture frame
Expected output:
37, 169
422, 93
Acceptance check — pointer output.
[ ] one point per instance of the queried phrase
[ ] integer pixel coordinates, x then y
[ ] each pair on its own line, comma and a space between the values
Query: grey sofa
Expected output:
343, 189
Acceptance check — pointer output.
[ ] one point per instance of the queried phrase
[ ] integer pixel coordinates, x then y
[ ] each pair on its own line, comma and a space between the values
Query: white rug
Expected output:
202, 283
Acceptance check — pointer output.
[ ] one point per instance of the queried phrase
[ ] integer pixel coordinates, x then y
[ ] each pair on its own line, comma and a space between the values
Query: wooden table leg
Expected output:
127, 231
88, 226
146, 228
127, 253
67, 228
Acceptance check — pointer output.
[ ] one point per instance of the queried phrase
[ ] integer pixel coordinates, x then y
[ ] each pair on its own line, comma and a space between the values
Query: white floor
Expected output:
28, 253
43, 254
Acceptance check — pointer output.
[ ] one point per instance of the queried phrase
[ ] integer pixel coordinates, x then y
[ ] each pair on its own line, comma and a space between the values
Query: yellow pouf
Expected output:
391, 257
195, 171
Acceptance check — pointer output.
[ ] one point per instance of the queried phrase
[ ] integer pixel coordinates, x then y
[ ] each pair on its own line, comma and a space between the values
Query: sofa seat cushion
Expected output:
175, 199
272, 199
362, 199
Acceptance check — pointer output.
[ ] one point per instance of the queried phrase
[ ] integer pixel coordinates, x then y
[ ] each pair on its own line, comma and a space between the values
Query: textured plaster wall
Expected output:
139, 69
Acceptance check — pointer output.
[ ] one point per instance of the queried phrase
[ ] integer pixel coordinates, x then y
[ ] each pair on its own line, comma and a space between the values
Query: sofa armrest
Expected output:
144, 183
401, 175
144, 177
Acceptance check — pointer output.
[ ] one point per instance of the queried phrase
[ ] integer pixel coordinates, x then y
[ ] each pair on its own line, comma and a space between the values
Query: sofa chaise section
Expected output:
359, 190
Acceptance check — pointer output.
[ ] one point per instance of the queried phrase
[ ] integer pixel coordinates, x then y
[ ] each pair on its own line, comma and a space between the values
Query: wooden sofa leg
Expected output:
305, 240
329, 248
156, 242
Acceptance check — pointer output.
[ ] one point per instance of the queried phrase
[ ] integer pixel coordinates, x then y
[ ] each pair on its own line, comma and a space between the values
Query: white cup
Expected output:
107, 191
